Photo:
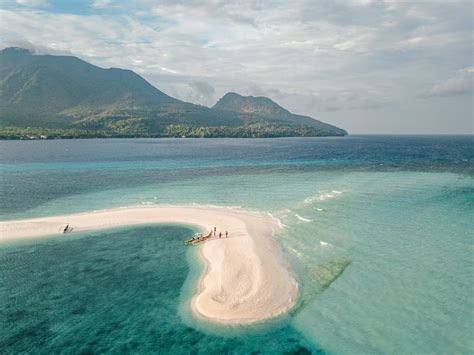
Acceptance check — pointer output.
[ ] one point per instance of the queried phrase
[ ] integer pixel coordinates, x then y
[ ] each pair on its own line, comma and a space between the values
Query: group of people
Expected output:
220, 234
198, 237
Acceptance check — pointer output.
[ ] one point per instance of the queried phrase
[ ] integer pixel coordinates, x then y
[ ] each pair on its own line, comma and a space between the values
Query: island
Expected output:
246, 278
50, 96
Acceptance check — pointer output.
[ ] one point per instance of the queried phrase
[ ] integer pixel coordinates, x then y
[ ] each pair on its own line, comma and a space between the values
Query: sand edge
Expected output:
246, 278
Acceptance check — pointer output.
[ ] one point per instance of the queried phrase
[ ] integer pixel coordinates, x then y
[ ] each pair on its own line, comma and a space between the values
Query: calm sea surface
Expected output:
379, 230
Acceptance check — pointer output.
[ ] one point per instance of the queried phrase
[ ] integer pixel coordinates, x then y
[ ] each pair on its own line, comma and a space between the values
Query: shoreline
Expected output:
246, 278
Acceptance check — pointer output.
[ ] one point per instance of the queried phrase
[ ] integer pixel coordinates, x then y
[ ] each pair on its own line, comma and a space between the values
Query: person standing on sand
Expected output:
226, 234
214, 231
220, 234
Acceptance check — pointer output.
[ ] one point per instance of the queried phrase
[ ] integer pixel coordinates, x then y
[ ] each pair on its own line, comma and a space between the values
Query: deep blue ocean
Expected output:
379, 230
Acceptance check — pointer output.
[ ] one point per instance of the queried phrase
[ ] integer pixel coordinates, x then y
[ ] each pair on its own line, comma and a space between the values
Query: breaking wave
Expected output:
302, 218
322, 196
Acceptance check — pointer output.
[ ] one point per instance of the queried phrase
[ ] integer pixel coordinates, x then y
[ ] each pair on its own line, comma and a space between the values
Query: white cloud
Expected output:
312, 56
100, 4
202, 93
461, 83
166, 70
32, 3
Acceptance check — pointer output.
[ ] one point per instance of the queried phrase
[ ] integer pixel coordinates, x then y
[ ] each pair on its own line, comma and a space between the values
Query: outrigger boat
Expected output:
197, 238
65, 228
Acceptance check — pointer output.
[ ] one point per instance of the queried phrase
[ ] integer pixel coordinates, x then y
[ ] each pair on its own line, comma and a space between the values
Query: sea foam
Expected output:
302, 218
322, 196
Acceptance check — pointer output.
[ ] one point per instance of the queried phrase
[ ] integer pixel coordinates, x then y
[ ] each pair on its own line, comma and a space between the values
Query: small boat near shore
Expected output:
198, 238
65, 228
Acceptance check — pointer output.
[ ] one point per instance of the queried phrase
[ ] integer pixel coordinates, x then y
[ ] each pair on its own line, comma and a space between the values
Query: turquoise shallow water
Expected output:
115, 291
378, 230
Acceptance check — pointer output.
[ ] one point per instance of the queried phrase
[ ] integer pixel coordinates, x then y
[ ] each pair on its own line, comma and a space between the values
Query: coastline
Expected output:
246, 278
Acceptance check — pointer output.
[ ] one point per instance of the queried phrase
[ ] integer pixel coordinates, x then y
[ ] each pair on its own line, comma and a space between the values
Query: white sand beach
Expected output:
246, 279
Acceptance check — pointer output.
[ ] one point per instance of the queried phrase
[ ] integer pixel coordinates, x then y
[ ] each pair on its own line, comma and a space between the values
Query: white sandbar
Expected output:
246, 279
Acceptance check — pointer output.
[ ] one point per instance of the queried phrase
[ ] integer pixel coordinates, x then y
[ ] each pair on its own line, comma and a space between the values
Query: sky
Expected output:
367, 66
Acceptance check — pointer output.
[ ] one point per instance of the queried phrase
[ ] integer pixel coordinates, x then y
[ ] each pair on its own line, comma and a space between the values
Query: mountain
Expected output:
53, 84
250, 106
64, 96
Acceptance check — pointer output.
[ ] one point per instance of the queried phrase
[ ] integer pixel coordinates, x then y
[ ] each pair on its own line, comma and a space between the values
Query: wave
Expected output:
210, 205
279, 222
300, 255
302, 218
322, 196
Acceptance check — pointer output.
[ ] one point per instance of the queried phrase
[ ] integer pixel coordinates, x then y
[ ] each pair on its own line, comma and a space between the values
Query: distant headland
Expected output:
47, 97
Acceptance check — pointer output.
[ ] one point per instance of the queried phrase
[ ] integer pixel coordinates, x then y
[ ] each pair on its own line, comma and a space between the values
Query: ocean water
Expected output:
115, 291
379, 230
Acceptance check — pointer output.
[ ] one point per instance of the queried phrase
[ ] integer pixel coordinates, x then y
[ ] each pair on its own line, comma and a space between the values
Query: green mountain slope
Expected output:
65, 96
250, 107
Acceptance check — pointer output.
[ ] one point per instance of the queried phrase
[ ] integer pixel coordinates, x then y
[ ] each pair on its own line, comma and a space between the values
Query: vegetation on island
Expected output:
47, 97
170, 131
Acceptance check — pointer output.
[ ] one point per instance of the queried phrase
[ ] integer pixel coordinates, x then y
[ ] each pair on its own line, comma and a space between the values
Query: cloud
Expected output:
336, 100
100, 4
311, 56
460, 84
256, 90
32, 3
201, 92
209, 11
320, 101
35, 48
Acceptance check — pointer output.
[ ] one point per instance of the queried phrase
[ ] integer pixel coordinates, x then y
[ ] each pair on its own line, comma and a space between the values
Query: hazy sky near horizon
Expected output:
367, 66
